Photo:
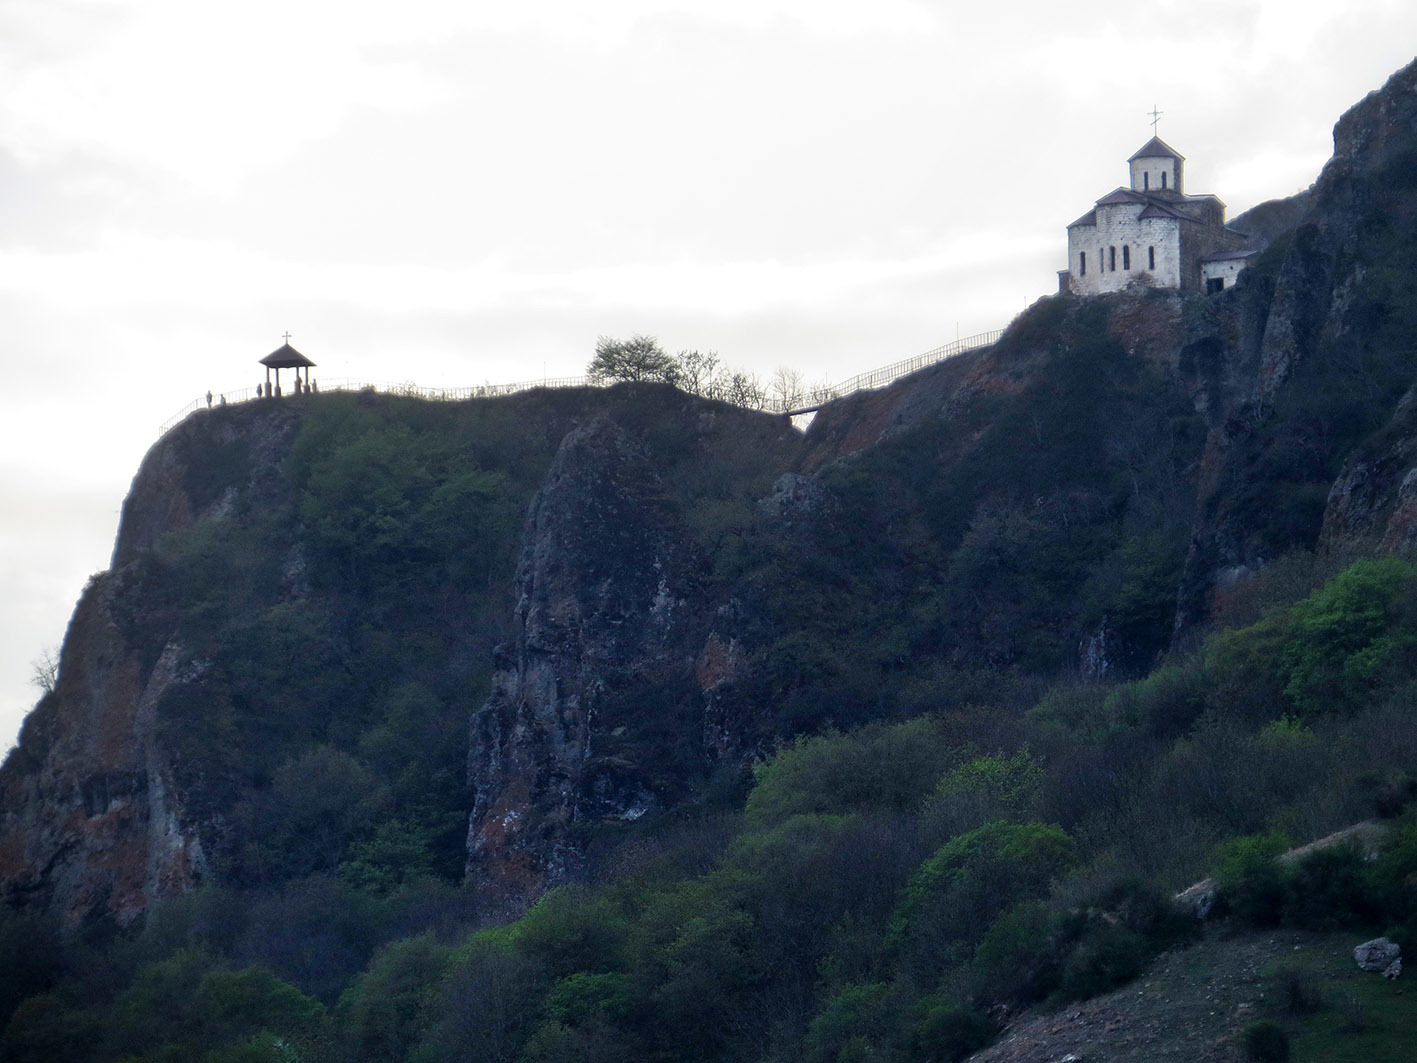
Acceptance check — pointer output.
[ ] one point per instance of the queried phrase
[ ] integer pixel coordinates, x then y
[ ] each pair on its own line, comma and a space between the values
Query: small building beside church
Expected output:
1153, 233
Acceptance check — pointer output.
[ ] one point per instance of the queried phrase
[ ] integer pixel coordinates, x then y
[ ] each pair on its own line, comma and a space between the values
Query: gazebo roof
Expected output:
286, 357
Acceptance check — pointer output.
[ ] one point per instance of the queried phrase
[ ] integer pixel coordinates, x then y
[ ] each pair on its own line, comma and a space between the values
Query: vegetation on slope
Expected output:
877, 893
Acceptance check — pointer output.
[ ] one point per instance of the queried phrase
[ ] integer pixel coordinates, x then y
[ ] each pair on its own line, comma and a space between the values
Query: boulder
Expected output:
1377, 955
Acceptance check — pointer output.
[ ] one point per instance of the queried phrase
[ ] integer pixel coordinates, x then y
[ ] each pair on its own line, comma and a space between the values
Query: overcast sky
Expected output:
468, 192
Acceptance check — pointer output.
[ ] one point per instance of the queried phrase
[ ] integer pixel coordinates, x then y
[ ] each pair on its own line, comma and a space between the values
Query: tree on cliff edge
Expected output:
638, 358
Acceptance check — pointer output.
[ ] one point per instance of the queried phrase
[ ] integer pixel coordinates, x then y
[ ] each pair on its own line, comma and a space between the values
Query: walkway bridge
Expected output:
819, 396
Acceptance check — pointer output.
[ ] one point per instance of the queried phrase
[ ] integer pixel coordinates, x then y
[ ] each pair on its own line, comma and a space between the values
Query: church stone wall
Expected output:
1118, 225
1225, 271
1153, 169
1197, 242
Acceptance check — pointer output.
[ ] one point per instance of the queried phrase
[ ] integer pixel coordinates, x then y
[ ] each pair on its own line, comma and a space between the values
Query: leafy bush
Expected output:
1330, 888
485, 1007
1335, 651
385, 1010
948, 1030
1343, 640
1296, 991
983, 789
572, 929
1166, 703
1017, 959
956, 893
879, 766
853, 1012
1250, 879
1265, 1042
1104, 957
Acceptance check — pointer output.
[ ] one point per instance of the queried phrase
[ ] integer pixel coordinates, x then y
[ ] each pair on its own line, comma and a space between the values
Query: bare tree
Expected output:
744, 389
44, 670
785, 388
697, 371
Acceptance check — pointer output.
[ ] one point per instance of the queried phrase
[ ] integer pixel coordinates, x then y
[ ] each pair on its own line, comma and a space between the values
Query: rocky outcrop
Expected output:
603, 612
1303, 377
93, 820
91, 823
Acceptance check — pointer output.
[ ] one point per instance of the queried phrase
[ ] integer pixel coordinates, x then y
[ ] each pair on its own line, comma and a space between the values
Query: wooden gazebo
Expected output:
286, 357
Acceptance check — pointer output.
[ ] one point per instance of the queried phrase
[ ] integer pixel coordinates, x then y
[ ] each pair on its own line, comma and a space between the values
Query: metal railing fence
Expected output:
820, 396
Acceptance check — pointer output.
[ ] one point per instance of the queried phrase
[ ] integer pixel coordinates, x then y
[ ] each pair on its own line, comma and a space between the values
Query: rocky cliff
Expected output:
607, 605
93, 819
376, 638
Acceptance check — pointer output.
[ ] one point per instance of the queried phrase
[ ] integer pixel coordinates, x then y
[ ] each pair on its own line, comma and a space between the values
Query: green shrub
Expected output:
853, 1012
878, 767
484, 1007
1335, 651
956, 893
386, 1008
1329, 889
1395, 873
1343, 639
1017, 960
1104, 957
1296, 991
1165, 703
572, 929
237, 1005
1265, 1042
1250, 879
581, 997
983, 789
948, 1030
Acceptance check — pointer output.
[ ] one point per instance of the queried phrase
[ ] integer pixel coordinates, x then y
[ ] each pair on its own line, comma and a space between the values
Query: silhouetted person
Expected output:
209, 400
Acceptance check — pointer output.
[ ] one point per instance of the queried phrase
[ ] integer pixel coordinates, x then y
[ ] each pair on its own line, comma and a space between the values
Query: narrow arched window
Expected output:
1126, 256
1112, 259
1082, 263
1163, 185
1145, 181
1151, 258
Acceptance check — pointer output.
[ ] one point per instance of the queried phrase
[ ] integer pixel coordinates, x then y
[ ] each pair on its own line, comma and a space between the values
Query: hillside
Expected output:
625, 724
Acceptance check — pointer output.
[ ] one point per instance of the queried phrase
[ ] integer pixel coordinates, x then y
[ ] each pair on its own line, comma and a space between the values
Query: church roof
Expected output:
286, 357
1159, 208
1156, 148
1123, 195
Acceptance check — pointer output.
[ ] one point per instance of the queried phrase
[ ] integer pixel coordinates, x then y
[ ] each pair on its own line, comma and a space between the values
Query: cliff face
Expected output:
604, 591
93, 821
627, 593
1298, 376
307, 595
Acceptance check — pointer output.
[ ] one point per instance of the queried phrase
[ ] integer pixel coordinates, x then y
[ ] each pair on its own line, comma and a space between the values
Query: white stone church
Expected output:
1153, 233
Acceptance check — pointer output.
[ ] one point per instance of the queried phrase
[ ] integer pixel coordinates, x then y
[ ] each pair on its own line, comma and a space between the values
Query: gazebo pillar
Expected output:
285, 357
